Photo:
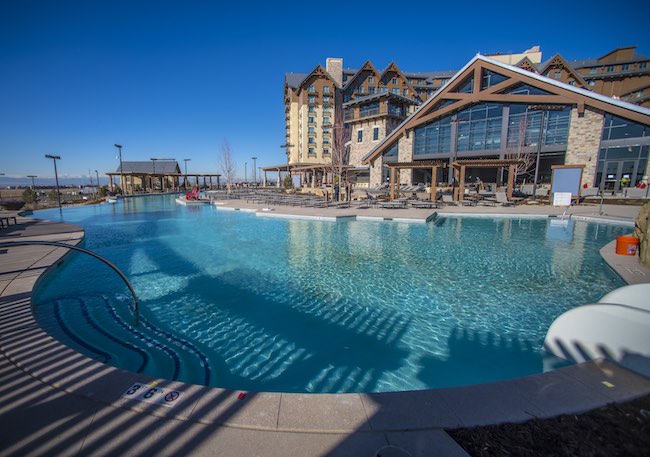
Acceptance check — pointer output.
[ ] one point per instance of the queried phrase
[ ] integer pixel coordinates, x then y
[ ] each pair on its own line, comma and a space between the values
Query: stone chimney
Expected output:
334, 66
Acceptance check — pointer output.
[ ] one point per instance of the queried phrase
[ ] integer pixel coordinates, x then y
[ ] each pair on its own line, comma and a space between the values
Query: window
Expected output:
610, 68
643, 65
433, 138
311, 130
326, 121
311, 109
617, 128
625, 67
326, 99
491, 78
383, 90
326, 140
326, 89
311, 152
359, 136
311, 99
326, 152
592, 83
375, 133
405, 92
572, 83
311, 120
372, 89
312, 139
395, 90
479, 127
524, 125
311, 89
593, 71
394, 80
371, 79
557, 74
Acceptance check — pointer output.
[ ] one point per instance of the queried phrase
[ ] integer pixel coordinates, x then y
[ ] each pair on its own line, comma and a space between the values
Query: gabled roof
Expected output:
368, 66
161, 167
527, 64
559, 61
560, 93
586, 63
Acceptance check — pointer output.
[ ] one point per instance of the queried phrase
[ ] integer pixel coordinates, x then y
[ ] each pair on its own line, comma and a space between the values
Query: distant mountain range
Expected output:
6, 181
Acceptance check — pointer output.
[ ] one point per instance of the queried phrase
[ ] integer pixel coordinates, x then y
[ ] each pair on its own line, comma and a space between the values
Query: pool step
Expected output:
103, 330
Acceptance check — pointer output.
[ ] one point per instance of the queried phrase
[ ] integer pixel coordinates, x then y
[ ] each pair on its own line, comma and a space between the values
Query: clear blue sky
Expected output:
174, 79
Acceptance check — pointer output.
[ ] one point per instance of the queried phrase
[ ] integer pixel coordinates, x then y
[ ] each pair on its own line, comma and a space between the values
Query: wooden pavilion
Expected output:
460, 166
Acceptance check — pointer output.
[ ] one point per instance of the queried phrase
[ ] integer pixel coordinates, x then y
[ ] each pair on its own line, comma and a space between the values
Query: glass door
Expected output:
611, 177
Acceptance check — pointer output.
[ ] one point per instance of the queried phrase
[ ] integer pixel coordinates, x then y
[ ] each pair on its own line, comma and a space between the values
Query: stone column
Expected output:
583, 144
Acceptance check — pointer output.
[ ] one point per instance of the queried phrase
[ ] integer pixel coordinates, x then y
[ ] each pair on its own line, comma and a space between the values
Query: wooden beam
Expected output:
461, 189
434, 183
511, 180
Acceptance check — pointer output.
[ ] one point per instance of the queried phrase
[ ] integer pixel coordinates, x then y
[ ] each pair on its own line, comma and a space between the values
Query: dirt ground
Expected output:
612, 431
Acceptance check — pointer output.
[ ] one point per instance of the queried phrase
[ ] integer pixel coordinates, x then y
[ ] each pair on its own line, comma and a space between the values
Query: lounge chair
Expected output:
502, 199
448, 200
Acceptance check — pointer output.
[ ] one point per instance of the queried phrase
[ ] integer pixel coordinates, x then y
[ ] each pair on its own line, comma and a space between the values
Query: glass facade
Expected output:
617, 128
522, 118
392, 150
433, 138
479, 127
491, 78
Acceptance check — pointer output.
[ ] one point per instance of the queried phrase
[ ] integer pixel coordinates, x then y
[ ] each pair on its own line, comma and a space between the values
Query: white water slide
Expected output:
616, 328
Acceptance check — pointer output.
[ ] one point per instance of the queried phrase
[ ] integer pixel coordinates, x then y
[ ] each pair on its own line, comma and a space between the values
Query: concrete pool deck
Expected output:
55, 401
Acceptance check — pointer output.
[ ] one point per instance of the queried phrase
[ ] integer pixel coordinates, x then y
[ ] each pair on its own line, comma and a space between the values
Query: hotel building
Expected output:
584, 107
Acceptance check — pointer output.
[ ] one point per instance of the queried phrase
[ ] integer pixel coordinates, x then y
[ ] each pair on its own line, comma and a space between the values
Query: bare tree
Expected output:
518, 149
227, 164
340, 154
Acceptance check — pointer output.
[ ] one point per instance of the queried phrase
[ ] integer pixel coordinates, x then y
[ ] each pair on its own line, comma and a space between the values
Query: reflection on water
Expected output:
312, 306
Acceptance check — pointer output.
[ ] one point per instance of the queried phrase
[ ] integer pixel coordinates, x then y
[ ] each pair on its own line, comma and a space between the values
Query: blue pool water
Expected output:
252, 303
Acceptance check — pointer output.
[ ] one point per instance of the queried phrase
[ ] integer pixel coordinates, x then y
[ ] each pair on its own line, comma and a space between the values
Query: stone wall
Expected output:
583, 144
375, 172
359, 150
405, 154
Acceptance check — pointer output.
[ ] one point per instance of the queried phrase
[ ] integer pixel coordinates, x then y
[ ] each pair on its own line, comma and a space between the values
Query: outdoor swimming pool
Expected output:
233, 300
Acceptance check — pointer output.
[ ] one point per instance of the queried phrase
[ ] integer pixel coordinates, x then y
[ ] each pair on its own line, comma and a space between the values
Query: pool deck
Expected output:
55, 401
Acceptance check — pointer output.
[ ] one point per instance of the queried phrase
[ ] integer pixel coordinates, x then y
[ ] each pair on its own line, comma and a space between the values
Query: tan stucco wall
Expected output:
584, 142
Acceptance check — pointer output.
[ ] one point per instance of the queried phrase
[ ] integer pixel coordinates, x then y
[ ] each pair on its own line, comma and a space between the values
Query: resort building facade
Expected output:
494, 113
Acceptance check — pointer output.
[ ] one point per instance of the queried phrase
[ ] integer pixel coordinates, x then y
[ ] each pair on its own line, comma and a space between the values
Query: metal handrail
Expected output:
85, 251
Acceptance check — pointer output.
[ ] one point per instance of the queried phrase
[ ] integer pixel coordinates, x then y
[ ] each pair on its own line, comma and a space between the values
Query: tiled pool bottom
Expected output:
60, 401
321, 307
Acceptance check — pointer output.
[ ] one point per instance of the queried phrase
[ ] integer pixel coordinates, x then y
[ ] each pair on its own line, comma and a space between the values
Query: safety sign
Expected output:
151, 393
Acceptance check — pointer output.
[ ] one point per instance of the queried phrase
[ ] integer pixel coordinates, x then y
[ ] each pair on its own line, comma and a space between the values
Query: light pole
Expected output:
2, 174
90, 175
32, 176
56, 175
254, 170
185, 180
119, 150
97, 174
245, 171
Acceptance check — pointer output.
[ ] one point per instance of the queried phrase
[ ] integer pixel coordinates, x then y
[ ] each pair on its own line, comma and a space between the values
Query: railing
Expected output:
85, 251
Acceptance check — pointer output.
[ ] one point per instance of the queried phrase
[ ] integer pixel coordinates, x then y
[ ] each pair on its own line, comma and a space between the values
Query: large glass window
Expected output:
616, 128
371, 109
524, 125
479, 127
392, 150
491, 78
433, 138
525, 89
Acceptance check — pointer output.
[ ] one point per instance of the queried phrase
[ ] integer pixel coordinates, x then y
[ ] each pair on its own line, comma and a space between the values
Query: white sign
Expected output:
561, 198
151, 393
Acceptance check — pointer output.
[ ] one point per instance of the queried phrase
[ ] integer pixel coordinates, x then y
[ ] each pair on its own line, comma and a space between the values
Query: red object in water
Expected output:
241, 395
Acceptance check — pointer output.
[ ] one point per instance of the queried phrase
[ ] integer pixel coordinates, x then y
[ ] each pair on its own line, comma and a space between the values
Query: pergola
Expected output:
461, 165
145, 177
429, 164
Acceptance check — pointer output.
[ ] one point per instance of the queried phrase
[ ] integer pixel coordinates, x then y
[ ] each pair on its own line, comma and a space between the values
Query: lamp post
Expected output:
32, 176
97, 174
119, 150
56, 175
254, 170
1, 174
185, 180
153, 174
245, 171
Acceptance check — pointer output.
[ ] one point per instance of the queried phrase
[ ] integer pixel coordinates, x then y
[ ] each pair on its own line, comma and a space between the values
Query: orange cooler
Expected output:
627, 245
